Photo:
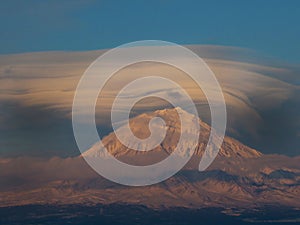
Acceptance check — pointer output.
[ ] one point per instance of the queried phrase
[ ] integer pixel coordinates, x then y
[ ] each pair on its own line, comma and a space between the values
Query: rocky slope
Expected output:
139, 125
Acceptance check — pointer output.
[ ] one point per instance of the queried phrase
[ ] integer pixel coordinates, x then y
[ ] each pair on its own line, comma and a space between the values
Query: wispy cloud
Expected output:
48, 81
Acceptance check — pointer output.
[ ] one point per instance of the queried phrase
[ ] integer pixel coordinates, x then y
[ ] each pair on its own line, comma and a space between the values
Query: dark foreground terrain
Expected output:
130, 214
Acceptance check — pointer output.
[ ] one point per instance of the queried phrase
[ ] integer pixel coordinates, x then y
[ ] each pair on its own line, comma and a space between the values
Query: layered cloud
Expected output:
37, 90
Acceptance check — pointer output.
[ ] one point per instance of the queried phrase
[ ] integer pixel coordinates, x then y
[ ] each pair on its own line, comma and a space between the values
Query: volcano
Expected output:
240, 177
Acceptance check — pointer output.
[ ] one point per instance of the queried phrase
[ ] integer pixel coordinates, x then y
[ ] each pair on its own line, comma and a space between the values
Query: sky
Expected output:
269, 27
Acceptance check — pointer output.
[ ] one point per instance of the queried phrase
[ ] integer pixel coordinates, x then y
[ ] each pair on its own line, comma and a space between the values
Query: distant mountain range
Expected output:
239, 178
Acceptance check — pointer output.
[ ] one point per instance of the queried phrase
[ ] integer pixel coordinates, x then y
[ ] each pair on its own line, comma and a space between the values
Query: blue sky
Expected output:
269, 27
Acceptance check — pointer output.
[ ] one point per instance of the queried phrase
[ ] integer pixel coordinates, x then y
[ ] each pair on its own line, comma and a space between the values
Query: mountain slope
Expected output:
139, 126
240, 177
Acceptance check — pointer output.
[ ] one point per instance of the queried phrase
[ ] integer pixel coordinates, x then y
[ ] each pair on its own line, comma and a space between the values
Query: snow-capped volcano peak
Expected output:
172, 118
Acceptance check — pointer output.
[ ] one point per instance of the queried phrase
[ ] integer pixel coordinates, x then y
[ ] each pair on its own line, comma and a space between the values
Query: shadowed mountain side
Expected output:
227, 183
